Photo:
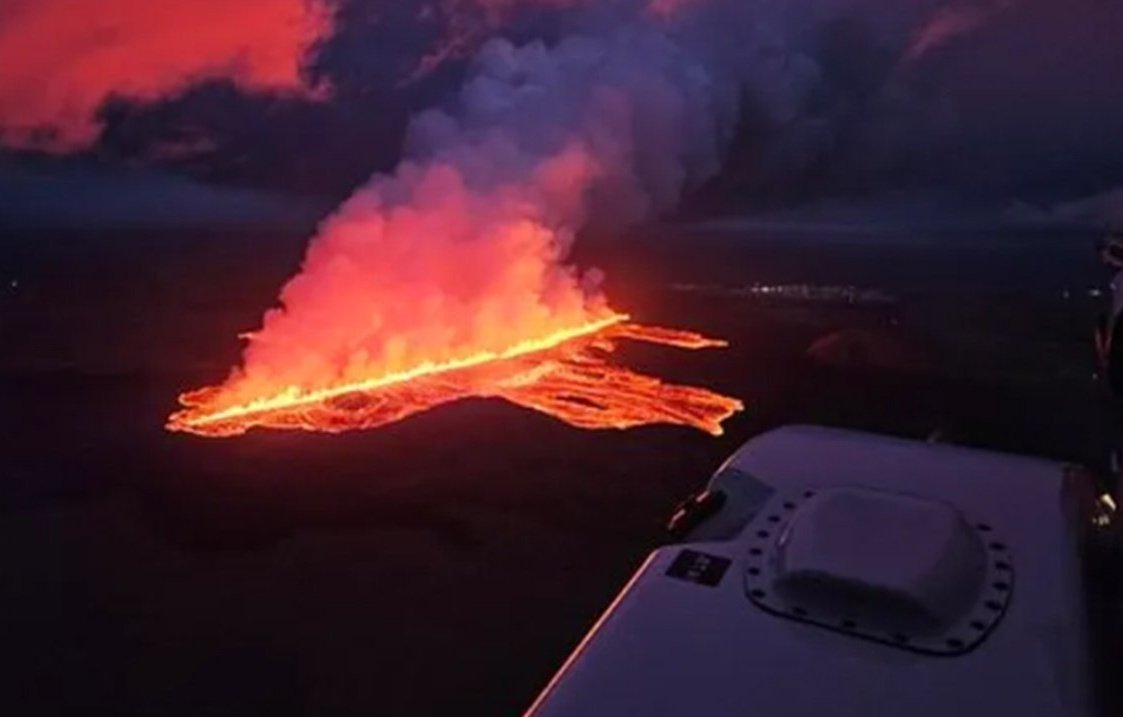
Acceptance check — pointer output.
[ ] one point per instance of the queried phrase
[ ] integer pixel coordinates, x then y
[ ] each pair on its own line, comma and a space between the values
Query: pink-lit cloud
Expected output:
950, 22
63, 59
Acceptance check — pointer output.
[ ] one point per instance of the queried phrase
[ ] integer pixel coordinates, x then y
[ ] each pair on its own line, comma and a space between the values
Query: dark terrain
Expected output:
446, 564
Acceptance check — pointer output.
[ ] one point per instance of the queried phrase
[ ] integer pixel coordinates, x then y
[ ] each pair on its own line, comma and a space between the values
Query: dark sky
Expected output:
998, 102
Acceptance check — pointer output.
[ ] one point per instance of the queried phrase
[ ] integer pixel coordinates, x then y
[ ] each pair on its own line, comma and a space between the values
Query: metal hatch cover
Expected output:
895, 568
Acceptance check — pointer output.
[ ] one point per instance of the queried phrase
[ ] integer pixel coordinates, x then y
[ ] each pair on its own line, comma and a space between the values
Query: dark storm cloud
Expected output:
1033, 101
996, 98
990, 99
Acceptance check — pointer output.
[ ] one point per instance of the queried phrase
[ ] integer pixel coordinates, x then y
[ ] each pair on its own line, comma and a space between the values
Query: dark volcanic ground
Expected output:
448, 563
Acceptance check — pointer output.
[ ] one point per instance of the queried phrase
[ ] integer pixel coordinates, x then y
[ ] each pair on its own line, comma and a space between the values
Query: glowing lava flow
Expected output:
566, 375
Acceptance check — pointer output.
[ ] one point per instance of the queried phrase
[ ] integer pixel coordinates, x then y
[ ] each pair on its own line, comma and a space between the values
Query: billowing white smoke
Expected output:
652, 118
463, 248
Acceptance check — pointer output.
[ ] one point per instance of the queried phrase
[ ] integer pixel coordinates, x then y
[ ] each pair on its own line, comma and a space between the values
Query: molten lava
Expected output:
567, 374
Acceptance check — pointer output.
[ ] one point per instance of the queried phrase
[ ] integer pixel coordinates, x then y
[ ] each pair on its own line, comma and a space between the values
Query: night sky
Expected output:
270, 109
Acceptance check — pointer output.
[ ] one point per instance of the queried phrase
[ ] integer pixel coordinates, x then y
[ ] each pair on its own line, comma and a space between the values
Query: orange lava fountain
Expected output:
450, 277
567, 375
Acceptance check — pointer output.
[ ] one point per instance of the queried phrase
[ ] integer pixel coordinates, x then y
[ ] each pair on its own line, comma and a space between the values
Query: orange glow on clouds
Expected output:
62, 59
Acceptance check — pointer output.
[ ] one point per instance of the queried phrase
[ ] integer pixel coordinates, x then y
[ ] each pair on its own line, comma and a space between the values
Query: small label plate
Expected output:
700, 568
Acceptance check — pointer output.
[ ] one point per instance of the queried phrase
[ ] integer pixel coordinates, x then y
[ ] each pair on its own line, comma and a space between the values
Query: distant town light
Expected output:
1108, 501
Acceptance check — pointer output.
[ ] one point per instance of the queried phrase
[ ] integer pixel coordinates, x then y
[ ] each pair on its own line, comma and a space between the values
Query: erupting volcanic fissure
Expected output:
566, 375
449, 278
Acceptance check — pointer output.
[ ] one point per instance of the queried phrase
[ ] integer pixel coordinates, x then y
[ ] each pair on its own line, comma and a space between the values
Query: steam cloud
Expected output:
463, 249
63, 59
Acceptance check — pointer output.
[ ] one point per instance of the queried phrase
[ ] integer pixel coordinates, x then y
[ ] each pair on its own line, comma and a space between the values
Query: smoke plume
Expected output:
463, 248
